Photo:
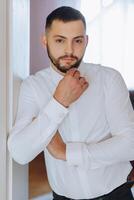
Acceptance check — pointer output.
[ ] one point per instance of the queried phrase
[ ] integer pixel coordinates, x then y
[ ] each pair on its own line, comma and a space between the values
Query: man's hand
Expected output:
70, 88
56, 147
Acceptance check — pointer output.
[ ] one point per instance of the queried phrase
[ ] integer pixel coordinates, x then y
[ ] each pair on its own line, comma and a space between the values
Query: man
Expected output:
79, 114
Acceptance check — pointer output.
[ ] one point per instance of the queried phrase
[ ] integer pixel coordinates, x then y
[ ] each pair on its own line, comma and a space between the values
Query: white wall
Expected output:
20, 37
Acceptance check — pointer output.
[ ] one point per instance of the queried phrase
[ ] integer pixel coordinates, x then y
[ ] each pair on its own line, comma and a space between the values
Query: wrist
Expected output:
63, 153
62, 102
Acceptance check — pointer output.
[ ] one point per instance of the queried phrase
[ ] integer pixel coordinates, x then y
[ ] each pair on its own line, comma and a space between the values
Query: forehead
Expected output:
71, 28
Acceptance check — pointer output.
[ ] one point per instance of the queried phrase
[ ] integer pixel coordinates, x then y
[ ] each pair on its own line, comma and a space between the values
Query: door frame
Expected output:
3, 96
9, 170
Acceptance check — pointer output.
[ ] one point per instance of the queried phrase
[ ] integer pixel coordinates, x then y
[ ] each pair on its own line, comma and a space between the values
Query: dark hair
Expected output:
64, 14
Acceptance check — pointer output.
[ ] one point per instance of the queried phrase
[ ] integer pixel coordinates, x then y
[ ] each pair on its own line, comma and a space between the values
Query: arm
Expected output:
33, 130
56, 147
67, 92
120, 147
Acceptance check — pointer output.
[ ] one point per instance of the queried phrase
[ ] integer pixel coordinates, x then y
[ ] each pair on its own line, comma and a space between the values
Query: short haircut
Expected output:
65, 14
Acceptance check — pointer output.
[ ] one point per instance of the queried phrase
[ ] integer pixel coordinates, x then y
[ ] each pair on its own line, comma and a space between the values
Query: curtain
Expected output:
110, 27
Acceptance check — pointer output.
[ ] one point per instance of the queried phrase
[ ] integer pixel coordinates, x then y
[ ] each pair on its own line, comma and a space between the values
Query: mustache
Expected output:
68, 56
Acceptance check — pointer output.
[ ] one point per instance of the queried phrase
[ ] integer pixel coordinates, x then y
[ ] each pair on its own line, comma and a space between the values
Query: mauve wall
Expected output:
39, 9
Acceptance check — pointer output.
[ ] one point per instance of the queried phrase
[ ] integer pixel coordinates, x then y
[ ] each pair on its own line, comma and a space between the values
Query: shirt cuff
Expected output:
55, 111
74, 154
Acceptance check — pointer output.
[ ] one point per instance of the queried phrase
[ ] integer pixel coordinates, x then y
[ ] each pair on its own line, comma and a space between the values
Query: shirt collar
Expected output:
56, 77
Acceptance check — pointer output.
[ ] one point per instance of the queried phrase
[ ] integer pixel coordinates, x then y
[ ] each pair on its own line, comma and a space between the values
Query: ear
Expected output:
87, 39
44, 40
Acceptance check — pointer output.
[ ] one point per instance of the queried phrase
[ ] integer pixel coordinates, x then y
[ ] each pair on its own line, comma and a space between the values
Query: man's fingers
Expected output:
82, 80
85, 85
72, 71
76, 74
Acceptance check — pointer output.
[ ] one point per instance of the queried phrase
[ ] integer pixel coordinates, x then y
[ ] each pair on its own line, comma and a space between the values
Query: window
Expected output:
111, 35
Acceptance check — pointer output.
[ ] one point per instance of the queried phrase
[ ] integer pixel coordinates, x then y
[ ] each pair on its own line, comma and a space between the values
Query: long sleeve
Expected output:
33, 127
120, 117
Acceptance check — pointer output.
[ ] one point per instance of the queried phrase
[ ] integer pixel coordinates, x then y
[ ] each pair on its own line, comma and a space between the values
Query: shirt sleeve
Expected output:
33, 129
120, 117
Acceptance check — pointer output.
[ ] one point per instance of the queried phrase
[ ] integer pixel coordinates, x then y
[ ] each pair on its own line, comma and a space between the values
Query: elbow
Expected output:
17, 155
20, 161
130, 146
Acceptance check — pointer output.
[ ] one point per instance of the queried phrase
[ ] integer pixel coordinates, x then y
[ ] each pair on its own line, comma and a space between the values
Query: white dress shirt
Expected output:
98, 130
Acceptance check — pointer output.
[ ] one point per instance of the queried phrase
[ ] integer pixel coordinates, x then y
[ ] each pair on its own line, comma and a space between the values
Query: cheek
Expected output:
55, 52
79, 52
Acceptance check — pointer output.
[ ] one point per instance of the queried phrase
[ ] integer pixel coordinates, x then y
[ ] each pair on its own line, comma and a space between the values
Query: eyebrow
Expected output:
80, 36
61, 36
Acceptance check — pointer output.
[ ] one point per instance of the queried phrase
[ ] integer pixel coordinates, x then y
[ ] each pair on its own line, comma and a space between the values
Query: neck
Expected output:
58, 71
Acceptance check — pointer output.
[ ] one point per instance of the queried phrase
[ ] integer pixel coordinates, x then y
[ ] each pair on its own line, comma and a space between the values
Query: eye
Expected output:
79, 41
59, 41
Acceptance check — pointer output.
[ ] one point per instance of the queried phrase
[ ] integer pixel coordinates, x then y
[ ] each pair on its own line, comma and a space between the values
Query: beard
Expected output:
62, 68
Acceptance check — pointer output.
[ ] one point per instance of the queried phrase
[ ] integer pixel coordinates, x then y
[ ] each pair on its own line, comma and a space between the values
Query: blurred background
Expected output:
110, 27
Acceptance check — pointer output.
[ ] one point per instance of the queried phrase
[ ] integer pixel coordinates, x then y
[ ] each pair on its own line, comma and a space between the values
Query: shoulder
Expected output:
37, 78
95, 70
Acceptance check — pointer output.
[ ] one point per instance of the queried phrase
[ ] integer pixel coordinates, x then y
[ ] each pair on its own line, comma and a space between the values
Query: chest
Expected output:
86, 119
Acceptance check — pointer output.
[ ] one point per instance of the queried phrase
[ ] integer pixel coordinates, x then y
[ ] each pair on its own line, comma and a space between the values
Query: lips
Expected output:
69, 59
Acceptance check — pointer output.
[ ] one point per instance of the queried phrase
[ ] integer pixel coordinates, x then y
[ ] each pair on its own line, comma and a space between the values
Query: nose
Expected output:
69, 48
